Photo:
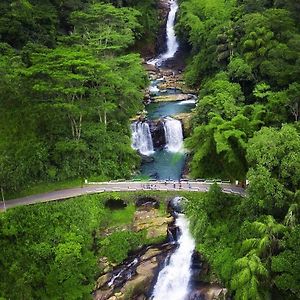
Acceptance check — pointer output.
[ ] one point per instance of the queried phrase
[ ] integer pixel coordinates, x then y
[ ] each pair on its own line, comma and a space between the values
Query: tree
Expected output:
286, 265
267, 242
249, 278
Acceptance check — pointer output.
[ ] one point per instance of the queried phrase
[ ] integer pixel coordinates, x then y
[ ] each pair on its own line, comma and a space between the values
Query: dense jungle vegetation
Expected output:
246, 63
69, 82
52, 250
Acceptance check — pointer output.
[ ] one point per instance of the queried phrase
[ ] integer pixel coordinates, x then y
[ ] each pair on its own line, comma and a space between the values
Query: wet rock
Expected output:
147, 159
150, 68
177, 204
102, 280
158, 133
135, 287
163, 11
151, 253
174, 97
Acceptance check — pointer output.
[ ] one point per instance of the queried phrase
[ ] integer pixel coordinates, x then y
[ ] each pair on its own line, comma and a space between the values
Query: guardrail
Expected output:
207, 181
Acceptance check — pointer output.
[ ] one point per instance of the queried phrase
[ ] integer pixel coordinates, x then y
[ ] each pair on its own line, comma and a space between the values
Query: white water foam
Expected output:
184, 102
174, 135
173, 279
141, 138
172, 43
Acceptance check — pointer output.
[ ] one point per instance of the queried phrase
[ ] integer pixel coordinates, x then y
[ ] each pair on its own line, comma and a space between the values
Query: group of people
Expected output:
166, 183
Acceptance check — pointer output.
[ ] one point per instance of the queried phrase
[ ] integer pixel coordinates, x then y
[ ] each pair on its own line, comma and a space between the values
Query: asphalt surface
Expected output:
125, 186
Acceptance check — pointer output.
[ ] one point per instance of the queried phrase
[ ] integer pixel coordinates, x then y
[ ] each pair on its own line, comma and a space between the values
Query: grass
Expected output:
122, 216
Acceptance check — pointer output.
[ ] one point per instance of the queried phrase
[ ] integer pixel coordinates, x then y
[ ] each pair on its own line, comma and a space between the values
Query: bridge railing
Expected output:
123, 181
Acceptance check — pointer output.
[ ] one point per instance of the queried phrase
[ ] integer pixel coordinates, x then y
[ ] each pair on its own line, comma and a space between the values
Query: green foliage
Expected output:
118, 244
65, 109
51, 250
47, 249
245, 62
286, 264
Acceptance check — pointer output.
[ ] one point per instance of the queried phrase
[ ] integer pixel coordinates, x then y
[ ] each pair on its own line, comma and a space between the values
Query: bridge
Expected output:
123, 186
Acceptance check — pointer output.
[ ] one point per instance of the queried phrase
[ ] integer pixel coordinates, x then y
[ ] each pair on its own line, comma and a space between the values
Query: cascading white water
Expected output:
172, 43
173, 134
173, 279
141, 138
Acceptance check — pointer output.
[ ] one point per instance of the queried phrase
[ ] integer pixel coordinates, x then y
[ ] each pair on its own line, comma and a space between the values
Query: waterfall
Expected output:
172, 43
141, 138
173, 279
174, 136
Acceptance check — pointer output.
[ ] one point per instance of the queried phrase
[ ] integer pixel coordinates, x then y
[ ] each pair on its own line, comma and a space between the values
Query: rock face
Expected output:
138, 275
172, 80
133, 279
158, 133
163, 11
155, 225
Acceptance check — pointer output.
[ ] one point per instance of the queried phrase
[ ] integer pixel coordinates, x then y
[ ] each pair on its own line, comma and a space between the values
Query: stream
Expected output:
167, 160
171, 269
167, 163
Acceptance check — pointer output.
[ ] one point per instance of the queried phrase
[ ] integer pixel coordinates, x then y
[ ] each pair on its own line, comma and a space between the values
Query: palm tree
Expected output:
267, 243
249, 279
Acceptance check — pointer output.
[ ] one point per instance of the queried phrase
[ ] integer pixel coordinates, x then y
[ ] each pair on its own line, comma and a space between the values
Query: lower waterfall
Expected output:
173, 279
174, 135
141, 138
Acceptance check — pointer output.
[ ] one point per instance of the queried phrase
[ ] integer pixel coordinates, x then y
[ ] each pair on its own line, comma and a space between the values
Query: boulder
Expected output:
155, 225
150, 68
103, 294
138, 286
151, 253
102, 280
173, 97
147, 159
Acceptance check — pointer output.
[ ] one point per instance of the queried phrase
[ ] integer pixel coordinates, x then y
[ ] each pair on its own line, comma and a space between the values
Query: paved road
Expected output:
126, 186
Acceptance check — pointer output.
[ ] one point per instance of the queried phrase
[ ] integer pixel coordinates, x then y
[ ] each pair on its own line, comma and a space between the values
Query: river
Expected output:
166, 161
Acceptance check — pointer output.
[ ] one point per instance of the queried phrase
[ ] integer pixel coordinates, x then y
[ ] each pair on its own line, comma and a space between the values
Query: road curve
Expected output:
125, 186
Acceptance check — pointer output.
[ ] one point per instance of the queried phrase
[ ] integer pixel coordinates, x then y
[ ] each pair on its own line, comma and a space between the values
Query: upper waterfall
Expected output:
173, 279
141, 138
174, 135
172, 43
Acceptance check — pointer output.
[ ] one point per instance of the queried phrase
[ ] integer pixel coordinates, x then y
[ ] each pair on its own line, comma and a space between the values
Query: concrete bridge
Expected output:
123, 186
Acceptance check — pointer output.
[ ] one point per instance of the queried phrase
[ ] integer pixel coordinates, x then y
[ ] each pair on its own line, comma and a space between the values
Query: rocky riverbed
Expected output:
135, 277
